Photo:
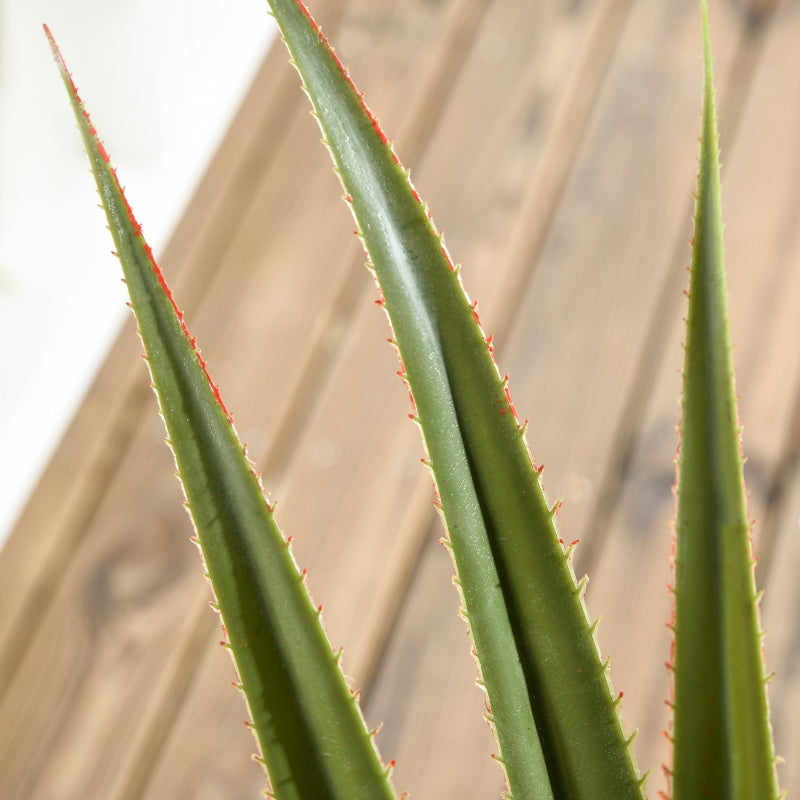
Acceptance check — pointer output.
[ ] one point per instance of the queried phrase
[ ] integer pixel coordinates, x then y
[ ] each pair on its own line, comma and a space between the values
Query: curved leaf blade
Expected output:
306, 719
551, 704
722, 743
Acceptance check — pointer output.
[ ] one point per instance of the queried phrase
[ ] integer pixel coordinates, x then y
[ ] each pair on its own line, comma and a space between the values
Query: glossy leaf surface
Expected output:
551, 704
722, 740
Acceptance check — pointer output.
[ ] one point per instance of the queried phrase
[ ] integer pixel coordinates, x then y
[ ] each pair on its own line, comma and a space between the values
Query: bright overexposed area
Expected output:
162, 80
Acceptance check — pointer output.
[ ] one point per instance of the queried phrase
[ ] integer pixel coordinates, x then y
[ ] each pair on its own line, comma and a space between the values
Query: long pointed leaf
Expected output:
307, 721
551, 704
722, 740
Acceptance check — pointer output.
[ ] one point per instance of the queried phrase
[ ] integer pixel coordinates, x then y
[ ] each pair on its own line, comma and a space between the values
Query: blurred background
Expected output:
162, 80
556, 143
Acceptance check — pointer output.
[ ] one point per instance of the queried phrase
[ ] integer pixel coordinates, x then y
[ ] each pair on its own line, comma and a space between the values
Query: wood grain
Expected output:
556, 143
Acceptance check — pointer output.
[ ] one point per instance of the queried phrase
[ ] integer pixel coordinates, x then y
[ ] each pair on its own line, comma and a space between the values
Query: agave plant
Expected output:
550, 701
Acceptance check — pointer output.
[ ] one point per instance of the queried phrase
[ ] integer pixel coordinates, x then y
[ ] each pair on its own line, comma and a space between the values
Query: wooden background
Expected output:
556, 142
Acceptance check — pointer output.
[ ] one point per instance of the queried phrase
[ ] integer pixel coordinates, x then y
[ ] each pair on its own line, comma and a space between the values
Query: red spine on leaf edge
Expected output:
137, 228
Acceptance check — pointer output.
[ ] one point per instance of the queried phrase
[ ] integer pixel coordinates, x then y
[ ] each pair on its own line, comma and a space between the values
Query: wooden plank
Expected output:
206, 753
75, 696
109, 661
578, 333
425, 690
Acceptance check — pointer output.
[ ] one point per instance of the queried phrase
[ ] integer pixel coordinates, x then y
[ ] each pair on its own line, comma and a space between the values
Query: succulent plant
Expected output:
549, 698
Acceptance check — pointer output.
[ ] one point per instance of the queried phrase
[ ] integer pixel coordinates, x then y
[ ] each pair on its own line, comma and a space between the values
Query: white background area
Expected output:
162, 80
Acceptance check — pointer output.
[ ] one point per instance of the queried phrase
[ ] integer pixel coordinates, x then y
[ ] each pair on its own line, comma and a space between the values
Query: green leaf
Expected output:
551, 704
306, 719
722, 744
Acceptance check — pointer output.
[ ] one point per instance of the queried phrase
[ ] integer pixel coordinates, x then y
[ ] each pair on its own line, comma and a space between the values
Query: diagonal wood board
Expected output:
556, 143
